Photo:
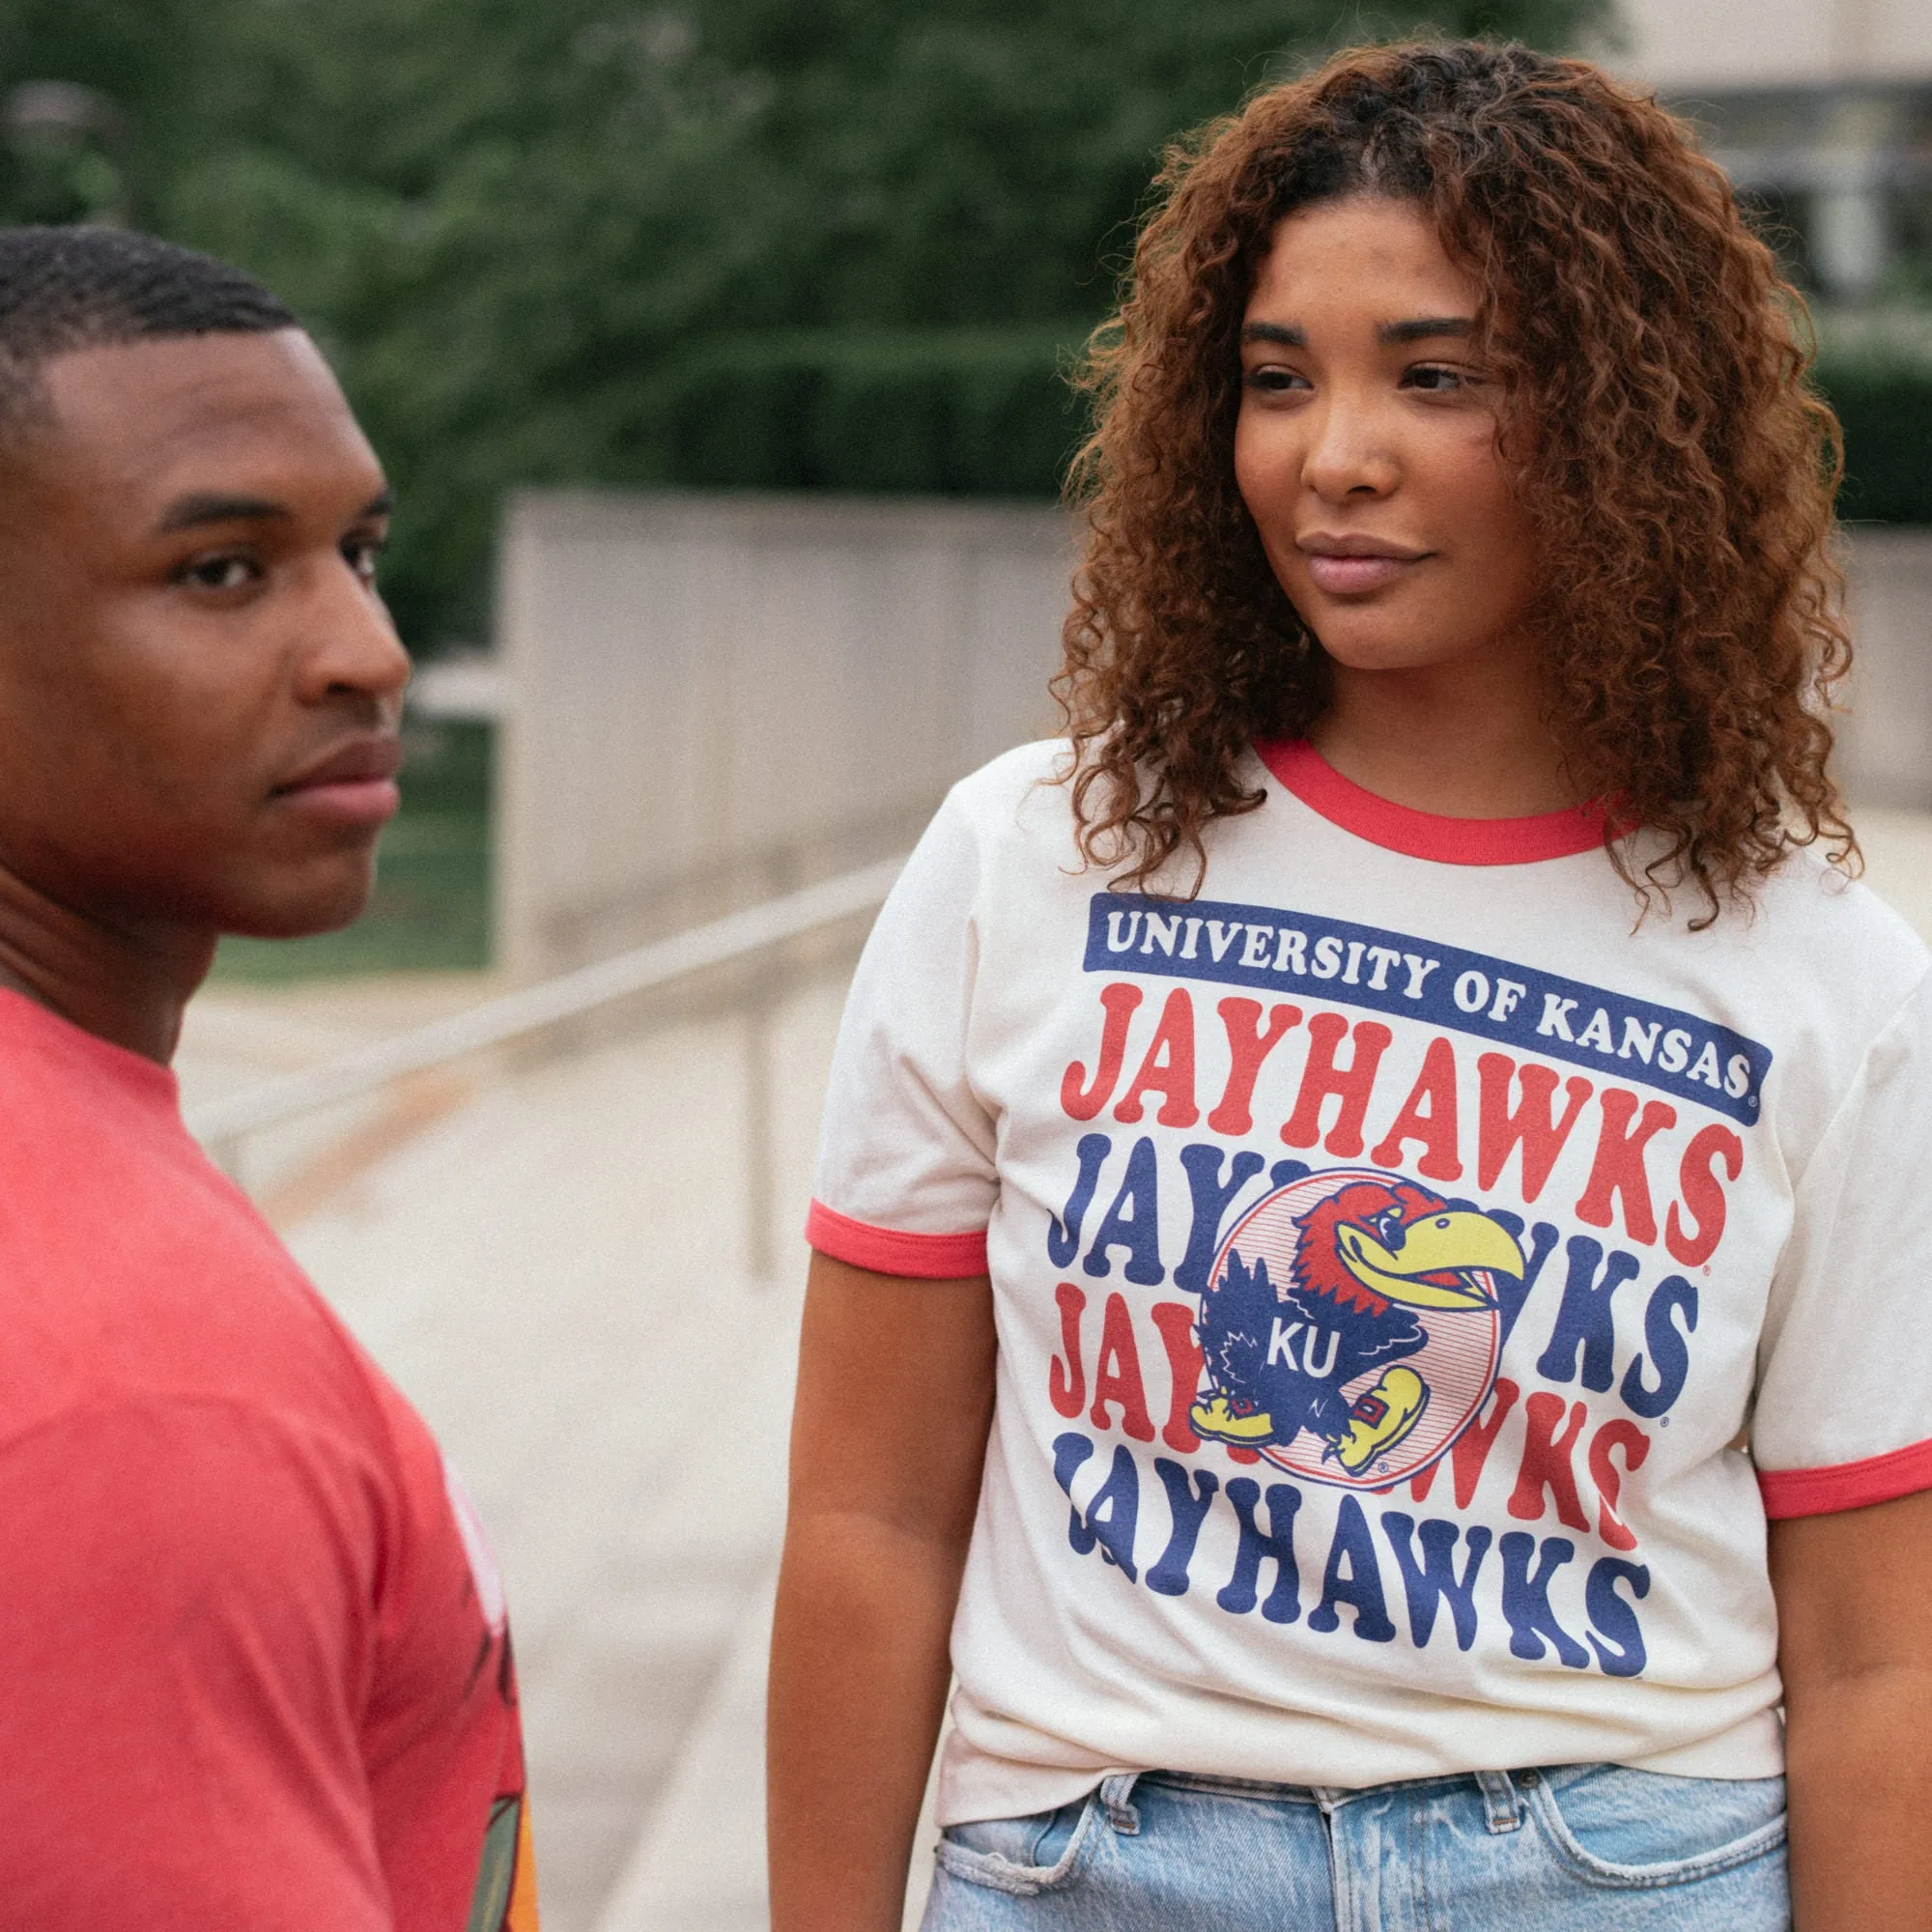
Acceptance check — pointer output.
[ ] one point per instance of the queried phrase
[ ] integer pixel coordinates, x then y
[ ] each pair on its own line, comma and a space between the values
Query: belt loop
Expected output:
1117, 1792
1502, 1811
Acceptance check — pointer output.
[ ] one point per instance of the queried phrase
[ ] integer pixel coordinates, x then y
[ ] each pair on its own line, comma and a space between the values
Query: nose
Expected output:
1349, 454
352, 648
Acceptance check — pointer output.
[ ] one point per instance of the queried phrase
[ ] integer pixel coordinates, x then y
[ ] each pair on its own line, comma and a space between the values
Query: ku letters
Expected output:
1403, 1305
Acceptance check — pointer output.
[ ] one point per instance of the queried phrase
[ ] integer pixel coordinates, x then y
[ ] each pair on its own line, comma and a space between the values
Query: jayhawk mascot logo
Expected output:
1351, 1329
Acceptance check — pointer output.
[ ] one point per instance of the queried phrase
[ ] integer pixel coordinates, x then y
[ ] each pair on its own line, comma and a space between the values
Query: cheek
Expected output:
1268, 469
186, 713
1476, 493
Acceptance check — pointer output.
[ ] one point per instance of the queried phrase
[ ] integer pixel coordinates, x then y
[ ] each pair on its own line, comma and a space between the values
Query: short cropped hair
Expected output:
69, 288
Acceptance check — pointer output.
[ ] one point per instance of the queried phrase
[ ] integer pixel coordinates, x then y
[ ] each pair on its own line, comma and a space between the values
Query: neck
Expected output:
128, 987
1463, 740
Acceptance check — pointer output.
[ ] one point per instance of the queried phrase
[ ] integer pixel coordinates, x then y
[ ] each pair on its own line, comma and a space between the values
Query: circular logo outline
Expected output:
1387, 1468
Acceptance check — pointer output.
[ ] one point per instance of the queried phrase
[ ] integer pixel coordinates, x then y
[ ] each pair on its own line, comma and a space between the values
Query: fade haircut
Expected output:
69, 288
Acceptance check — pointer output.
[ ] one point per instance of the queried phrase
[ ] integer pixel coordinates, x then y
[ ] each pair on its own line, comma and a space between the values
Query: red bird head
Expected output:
1373, 1243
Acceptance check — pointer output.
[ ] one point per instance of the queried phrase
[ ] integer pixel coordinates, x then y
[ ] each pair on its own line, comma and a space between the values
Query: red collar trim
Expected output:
1423, 835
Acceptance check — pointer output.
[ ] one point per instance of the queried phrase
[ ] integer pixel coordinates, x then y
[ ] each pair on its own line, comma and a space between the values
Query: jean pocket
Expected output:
1619, 1827
1023, 1855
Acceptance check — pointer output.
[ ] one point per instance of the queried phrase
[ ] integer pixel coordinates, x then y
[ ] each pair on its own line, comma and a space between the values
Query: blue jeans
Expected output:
1578, 1848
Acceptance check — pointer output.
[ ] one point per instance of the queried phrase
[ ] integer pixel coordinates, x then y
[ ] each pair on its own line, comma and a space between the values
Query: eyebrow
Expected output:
213, 506
1289, 337
1420, 329
1423, 327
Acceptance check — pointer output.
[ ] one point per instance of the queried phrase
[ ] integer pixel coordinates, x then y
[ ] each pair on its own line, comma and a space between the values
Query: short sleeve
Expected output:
183, 1619
906, 1179
1844, 1416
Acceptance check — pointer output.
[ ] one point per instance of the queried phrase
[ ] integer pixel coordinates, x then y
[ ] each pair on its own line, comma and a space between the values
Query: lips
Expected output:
352, 784
1352, 566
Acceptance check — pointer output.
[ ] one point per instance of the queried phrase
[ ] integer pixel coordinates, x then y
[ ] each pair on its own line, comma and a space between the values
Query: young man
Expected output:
254, 1669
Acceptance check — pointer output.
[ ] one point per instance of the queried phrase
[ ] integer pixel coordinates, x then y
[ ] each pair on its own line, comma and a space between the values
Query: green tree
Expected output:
733, 241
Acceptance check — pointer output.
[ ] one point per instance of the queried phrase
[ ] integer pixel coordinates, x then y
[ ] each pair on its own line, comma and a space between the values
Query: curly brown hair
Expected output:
1677, 468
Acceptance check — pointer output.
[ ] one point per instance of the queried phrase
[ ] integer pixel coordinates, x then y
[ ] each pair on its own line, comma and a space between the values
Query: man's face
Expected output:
199, 684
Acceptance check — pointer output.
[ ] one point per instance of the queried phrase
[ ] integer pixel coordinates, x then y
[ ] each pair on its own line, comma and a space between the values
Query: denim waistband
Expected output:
1564, 1847
1501, 1790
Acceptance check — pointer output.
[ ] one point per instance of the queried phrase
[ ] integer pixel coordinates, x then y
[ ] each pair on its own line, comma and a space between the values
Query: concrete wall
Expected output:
714, 700
1726, 43
1885, 742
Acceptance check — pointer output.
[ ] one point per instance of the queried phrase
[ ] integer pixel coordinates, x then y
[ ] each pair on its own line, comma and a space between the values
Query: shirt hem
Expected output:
974, 1785
1846, 1486
895, 1250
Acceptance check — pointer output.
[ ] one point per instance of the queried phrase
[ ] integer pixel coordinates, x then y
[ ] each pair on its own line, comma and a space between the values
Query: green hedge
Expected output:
1885, 402
952, 411
979, 412
987, 412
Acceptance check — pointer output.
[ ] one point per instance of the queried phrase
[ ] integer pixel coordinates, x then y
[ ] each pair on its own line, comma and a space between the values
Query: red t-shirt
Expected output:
254, 1668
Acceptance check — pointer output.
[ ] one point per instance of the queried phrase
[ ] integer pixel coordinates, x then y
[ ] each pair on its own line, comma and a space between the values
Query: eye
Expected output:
360, 555
1272, 379
1432, 380
227, 570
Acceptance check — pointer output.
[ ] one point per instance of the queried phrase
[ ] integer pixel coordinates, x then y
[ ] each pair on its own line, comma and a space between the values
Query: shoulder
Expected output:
1010, 820
1819, 968
142, 1291
184, 1294
1022, 793
1834, 932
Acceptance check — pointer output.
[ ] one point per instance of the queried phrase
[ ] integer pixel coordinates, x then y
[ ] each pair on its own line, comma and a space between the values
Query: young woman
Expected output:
1353, 1194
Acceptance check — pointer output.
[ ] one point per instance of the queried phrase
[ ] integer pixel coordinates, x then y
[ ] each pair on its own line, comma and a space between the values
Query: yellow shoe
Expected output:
1381, 1418
1219, 1423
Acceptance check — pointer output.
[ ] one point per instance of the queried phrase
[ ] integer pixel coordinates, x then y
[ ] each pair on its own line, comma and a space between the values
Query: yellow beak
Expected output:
1458, 1241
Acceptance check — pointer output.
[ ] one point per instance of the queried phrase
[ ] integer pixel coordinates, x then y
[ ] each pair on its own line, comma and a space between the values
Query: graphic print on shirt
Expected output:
1350, 1329
505, 1897
1422, 1309
506, 1886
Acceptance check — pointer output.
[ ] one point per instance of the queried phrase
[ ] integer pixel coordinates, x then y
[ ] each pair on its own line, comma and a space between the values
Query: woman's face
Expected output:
1365, 444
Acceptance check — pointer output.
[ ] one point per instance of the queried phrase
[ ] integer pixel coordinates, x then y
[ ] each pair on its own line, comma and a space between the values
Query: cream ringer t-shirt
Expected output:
1416, 1281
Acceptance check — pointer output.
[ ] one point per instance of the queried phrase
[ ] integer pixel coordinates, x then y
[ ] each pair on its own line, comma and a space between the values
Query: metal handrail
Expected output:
531, 1008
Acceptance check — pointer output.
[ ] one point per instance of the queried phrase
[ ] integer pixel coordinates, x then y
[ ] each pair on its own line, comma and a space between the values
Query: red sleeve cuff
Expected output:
891, 1251
1846, 1486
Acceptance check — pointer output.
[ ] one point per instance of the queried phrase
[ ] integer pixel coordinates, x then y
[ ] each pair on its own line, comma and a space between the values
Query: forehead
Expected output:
1367, 250
150, 420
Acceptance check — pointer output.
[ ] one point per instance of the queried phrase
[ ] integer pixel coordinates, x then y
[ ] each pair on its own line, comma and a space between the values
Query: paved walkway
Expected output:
551, 1257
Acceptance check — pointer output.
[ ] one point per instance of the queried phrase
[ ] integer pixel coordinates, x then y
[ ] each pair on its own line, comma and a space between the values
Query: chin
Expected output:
299, 909
1361, 637
1365, 648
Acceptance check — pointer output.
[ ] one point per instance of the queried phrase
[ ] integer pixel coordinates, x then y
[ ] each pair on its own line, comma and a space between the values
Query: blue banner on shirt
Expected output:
1441, 985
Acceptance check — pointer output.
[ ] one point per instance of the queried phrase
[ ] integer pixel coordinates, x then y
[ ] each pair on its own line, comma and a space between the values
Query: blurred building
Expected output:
1821, 110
